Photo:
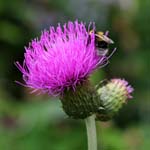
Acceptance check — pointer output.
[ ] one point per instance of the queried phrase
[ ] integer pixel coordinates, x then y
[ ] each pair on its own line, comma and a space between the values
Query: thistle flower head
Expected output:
62, 58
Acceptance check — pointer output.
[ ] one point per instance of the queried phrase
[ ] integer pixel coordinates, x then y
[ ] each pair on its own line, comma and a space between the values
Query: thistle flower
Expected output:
112, 96
60, 63
61, 59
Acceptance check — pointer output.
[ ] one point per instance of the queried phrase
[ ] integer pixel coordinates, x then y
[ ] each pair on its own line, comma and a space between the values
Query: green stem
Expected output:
91, 132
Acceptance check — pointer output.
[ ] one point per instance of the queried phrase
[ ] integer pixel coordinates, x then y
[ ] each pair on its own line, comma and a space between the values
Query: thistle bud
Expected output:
112, 96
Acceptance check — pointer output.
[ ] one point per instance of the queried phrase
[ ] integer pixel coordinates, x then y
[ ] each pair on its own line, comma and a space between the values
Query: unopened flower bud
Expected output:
112, 96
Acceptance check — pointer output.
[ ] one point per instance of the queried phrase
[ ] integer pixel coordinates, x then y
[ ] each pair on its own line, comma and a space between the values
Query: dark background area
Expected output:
35, 122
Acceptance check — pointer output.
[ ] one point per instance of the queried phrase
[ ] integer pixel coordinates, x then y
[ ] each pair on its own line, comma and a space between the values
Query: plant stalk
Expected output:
91, 132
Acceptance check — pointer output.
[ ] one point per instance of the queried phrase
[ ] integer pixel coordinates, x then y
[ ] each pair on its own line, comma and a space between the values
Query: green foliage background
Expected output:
33, 122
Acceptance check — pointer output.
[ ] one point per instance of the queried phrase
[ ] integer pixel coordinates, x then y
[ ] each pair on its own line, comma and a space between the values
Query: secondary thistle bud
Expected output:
112, 96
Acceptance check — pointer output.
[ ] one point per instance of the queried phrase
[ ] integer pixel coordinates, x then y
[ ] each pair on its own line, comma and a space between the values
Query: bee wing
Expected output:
105, 38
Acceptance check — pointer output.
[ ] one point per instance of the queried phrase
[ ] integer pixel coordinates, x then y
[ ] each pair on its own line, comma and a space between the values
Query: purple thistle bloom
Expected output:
62, 58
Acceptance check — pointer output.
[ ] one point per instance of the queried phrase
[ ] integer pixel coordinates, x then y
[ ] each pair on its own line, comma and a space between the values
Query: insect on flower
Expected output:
102, 41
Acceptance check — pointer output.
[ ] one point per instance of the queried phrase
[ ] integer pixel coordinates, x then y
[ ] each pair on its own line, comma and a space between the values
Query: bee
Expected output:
102, 41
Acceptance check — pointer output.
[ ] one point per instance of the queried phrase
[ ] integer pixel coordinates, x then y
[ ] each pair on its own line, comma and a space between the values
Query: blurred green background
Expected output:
35, 122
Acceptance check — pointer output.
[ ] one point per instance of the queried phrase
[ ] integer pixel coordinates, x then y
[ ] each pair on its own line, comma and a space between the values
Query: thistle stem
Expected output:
91, 132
